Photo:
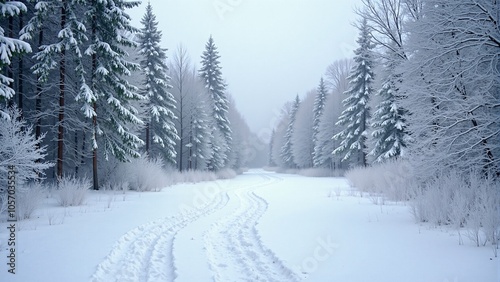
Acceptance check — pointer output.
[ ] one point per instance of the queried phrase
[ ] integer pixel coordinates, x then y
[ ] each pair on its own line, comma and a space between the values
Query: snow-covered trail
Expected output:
234, 246
259, 226
217, 231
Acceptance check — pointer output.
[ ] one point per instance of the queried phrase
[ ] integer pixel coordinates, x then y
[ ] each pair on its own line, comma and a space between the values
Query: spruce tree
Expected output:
9, 47
388, 121
114, 116
211, 75
64, 50
198, 132
160, 103
319, 107
357, 112
286, 150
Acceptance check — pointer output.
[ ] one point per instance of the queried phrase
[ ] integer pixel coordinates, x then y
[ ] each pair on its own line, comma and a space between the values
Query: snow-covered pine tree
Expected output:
279, 136
199, 151
160, 103
66, 47
319, 107
114, 116
336, 78
8, 48
286, 150
357, 112
211, 75
389, 119
302, 143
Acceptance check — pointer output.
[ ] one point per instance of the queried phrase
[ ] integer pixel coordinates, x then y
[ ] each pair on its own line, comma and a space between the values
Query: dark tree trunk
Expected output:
147, 139
20, 78
62, 78
10, 74
94, 151
94, 118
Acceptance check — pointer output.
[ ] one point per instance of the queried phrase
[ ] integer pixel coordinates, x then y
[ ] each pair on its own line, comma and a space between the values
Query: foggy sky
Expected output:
271, 50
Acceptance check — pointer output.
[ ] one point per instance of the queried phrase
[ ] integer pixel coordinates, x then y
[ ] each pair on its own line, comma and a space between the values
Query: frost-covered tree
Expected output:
198, 132
319, 108
337, 74
303, 132
389, 20
389, 119
20, 148
279, 135
8, 48
110, 107
160, 103
183, 82
336, 79
452, 81
286, 150
357, 112
211, 74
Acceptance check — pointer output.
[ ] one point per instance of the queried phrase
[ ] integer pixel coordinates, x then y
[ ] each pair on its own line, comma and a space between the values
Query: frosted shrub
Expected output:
484, 211
418, 204
145, 174
226, 173
438, 198
390, 179
72, 191
141, 174
432, 201
360, 178
470, 202
28, 199
459, 207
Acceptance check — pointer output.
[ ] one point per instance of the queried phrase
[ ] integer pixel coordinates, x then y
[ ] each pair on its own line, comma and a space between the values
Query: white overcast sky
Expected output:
271, 50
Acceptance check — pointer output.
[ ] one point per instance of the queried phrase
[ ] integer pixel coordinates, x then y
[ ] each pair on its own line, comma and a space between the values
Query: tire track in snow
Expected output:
145, 252
234, 248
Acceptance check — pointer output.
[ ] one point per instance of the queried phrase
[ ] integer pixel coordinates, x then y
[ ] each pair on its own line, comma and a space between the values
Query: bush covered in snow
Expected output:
226, 173
390, 179
468, 202
28, 199
150, 174
72, 191
141, 174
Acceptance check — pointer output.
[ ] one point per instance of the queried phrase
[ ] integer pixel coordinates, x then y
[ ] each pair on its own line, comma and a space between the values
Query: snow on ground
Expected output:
259, 226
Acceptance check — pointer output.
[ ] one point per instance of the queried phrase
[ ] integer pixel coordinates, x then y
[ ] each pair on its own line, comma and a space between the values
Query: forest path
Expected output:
213, 238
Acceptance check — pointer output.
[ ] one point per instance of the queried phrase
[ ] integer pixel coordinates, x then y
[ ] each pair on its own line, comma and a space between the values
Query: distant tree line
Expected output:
423, 86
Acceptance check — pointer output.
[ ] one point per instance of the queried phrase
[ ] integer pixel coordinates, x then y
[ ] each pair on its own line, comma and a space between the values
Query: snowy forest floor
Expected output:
260, 226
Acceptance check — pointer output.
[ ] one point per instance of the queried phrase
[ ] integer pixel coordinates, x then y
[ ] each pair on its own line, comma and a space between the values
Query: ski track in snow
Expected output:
145, 252
233, 247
